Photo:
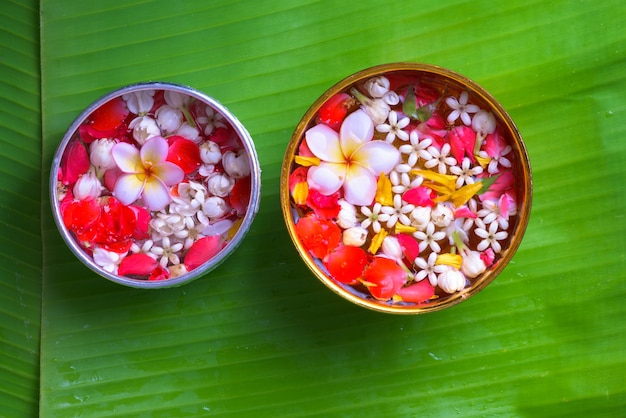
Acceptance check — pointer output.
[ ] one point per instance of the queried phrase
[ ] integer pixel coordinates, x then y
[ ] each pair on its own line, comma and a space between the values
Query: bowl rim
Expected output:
235, 241
525, 186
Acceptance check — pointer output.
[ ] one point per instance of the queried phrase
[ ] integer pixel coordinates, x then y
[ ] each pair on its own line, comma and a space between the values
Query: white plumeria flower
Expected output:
398, 212
349, 159
460, 108
372, 217
394, 128
440, 158
167, 252
490, 236
108, 260
428, 268
416, 148
212, 120
466, 173
429, 238
401, 181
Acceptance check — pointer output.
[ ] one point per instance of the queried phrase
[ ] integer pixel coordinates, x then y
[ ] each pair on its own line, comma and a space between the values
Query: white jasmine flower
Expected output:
398, 212
490, 236
391, 98
377, 86
168, 252
451, 280
139, 102
466, 173
220, 227
144, 248
460, 108
190, 234
220, 184
440, 158
101, 156
372, 217
169, 119
394, 127
347, 214
391, 248
491, 213
144, 128
429, 238
472, 264
401, 181
176, 99
212, 120
215, 207
87, 185
190, 132
354, 236
108, 260
428, 268
236, 164
442, 215
210, 153
420, 217
484, 123
416, 148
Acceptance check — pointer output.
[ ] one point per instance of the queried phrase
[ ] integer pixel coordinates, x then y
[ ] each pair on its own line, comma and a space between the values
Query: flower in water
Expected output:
490, 236
146, 173
460, 108
349, 159
394, 128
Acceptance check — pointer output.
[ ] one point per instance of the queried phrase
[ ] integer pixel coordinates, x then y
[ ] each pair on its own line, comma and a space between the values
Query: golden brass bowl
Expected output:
413, 77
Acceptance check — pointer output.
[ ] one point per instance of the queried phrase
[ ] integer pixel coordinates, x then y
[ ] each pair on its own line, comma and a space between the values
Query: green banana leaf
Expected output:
261, 336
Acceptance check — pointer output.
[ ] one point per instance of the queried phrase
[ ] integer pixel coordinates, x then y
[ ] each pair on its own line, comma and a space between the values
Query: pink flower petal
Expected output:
202, 251
75, 161
462, 140
128, 188
360, 186
323, 142
156, 195
379, 156
410, 246
494, 144
169, 173
356, 129
464, 212
420, 196
154, 150
127, 158
327, 178
418, 292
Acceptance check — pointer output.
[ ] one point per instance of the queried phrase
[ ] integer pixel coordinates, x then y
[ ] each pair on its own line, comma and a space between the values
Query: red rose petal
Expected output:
137, 264
184, 153
418, 292
159, 273
109, 116
318, 236
326, 207
385, 278
202, 251
334, 110
75, 162
345, 264
410, 246
240, 195
80, 215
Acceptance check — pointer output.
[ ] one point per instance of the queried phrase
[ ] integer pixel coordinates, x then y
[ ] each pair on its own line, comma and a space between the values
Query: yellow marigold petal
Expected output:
449, 259
384, 195
404, 229
306, 161
397, 298
484, 162
465, 193
446, 180
377, 241
300, 193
